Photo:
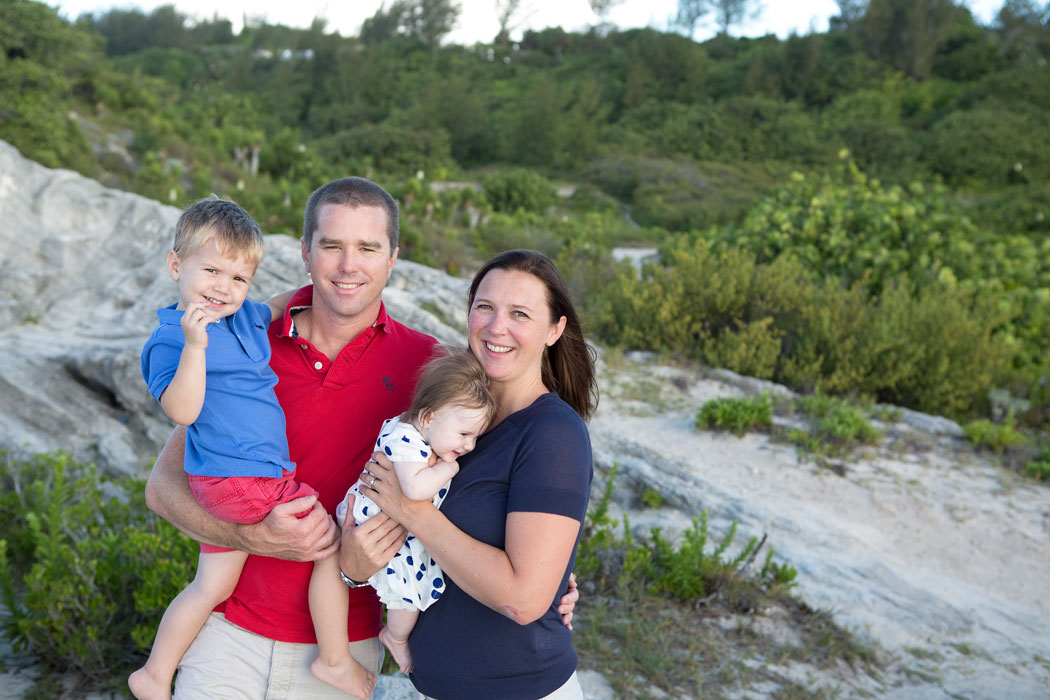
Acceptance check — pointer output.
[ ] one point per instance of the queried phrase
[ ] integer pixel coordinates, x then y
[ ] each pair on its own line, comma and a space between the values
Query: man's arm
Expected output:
280, 534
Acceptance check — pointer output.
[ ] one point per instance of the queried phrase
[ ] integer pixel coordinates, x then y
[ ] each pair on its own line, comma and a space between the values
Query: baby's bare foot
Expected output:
347, 675
145, 687
398, 649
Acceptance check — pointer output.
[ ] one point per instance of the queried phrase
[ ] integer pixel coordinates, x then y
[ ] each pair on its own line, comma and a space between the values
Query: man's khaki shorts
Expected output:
231, 663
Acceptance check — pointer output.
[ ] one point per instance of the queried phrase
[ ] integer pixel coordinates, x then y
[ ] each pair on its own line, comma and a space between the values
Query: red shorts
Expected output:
244, 499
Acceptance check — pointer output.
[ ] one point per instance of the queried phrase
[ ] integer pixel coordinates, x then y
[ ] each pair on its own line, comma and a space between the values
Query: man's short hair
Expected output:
353, 192
234, 231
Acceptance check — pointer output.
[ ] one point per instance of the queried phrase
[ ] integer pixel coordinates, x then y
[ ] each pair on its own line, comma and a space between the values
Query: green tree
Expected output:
1022, 24
906, 34
689, 14
427, 21
732, 12
44, 63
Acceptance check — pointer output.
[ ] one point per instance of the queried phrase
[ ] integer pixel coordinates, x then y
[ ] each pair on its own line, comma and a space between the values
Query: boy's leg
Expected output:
394, 635
329, 609
217, 575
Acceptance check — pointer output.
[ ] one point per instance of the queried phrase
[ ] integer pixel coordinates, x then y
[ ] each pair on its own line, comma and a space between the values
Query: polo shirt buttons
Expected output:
318, 365
302, 345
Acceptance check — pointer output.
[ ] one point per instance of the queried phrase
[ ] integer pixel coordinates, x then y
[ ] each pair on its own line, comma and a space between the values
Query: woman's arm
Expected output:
280, 534
519, 582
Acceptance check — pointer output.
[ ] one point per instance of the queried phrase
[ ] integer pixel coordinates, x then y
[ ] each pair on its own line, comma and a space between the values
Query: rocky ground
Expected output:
917, 544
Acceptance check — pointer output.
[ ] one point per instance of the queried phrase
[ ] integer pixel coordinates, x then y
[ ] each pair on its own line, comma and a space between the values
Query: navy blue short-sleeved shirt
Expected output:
535, 460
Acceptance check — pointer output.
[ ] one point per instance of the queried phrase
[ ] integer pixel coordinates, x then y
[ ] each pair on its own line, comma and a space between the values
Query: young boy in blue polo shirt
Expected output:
208, 365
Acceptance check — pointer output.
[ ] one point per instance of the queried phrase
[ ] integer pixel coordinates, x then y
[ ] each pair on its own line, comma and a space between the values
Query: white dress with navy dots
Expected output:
411, 579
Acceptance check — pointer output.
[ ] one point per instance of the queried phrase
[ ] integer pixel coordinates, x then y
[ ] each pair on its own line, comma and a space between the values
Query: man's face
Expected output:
350, 261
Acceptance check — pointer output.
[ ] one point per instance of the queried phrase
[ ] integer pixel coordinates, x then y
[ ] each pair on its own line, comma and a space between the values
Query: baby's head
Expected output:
452, 404
218, 248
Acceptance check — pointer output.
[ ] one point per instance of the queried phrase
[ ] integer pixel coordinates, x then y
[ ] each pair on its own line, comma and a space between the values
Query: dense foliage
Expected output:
85, 569
913, 272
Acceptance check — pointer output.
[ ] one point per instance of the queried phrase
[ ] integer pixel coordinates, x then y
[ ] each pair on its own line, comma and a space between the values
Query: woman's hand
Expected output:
386, 491
568, 602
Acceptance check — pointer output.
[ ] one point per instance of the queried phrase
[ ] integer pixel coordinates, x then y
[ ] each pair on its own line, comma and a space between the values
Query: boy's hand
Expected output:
195, 320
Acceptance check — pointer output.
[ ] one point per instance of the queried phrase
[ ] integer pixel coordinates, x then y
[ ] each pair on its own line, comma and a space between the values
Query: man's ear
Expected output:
173, 265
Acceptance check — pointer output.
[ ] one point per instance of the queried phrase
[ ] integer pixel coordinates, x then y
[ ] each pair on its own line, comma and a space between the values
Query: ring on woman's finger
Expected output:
373, 484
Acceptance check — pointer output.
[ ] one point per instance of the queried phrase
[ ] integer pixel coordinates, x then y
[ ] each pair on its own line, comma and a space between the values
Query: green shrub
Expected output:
85, 569
518, 188
998, 437
1039, 466
737, 415
839, 426
936, 348
608, 563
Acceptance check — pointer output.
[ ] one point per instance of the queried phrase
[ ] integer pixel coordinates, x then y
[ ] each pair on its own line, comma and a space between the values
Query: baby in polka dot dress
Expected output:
451, 406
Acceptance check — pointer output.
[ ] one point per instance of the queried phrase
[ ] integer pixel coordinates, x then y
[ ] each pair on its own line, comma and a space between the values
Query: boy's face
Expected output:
221, 283
452, 430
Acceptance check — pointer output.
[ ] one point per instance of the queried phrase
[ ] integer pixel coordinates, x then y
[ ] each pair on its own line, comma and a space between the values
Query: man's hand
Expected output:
367, 547
284, 535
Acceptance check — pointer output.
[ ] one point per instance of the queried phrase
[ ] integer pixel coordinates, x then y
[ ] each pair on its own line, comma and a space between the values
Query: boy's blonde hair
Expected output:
456, 379
235, 232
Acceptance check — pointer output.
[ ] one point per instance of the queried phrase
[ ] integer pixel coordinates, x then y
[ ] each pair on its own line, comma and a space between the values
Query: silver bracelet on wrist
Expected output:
350, 582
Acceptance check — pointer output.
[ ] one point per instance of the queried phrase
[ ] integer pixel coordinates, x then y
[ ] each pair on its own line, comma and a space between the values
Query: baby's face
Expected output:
218, 281
453, 430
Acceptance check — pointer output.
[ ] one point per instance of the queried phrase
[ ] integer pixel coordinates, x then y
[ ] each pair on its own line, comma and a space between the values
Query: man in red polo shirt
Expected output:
343, 367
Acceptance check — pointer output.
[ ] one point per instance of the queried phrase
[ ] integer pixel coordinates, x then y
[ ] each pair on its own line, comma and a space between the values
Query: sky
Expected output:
477, 21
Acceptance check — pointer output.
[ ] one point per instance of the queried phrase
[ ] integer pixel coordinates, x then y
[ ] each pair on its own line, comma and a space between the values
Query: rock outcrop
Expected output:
81, 276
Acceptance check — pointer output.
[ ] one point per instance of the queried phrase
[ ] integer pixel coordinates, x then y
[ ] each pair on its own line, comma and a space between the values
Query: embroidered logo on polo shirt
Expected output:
389, 383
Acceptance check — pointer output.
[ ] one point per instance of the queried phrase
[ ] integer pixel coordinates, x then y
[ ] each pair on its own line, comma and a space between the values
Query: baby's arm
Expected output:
420, 481
183, 398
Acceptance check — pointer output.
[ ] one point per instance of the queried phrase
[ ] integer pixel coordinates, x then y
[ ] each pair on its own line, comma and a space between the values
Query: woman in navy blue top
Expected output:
506, 535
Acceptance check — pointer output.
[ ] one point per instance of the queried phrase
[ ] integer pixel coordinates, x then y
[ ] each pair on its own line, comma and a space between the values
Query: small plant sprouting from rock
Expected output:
652, 498
838, 426
737, 415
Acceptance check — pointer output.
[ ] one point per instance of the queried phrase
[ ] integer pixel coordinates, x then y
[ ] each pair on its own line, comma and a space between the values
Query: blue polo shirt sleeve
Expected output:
553, 469
160, 355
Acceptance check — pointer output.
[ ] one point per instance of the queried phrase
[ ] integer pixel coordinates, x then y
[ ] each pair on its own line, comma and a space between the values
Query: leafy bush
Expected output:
1039, 466
985, 145
736, 414
390, 149
518, 189
937, 349
85, 569
840, 426
998, 437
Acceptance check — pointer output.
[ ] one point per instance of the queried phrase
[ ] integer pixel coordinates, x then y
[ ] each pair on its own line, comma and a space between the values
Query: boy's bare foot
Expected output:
347, 675
398, 649
145, 687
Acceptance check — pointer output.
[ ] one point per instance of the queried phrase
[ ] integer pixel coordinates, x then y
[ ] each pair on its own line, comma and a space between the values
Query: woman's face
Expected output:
510, 325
